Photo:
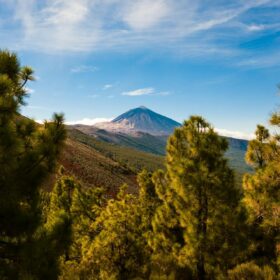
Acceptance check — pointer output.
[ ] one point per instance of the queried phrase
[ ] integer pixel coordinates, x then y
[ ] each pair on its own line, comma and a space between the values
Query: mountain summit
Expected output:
141, 119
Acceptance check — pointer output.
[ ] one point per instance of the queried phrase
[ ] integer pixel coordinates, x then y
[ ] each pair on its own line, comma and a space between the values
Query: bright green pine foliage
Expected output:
81, 207
196, 227
109, 237
262, 194
119, 249
28, 154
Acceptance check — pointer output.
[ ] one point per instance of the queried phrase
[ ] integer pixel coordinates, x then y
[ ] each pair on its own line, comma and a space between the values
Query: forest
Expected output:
189, 220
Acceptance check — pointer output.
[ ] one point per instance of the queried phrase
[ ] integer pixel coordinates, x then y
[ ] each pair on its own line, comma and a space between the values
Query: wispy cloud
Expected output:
108, 86
88, 121
234, 134
256, 27
139, 92
190, 28
267, 60
141, 15
84, 69
145, 91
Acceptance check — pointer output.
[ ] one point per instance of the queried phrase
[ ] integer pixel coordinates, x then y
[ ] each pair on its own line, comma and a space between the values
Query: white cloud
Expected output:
108, 86
256, 27
139, 92
84, 69
145, 91
182, 26
39, 121
145, 14
87, 121
235, 134
54, 25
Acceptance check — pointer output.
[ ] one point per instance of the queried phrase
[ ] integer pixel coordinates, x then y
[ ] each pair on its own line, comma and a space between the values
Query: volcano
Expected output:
141, 119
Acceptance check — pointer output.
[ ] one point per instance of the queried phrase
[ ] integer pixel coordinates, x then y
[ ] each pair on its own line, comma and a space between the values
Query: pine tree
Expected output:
257, 153
119, 249
262, 194
251, 271
28, 153
194, 228
81, 207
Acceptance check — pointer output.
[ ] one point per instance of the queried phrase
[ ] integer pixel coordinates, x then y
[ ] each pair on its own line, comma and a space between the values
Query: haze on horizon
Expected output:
98, 59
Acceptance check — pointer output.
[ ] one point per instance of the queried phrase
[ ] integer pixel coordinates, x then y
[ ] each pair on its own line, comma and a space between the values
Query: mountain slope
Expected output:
138, 140
134, 159
100, 164
124, 162
93, 169
141, 119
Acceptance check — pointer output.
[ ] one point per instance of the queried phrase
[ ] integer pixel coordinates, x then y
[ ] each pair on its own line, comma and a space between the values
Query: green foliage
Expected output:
28, 154
197, 220
109, 238
250, 271
81, 208
262, 195
119, 251
258, 149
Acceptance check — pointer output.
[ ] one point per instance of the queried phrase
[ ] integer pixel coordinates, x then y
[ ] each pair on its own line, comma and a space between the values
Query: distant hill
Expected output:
236, 155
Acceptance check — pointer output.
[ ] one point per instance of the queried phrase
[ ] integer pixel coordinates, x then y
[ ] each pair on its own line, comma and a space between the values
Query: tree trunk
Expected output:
202, 231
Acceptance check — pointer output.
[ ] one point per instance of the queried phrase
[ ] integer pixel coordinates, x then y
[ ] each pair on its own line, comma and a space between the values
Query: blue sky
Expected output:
96, 59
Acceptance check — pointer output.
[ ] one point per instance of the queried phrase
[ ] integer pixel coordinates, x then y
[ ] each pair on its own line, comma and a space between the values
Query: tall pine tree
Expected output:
196, 223
28, 154
262, 195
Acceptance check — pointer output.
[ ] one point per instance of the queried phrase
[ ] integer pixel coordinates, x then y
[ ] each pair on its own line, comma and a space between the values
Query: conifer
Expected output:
197, 220
28, 154
262, 194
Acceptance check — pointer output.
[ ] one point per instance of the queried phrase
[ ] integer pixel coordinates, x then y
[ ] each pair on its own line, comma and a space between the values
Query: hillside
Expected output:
133, 159
96, 163
138, 140
92, 168
116, 145
86, 152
